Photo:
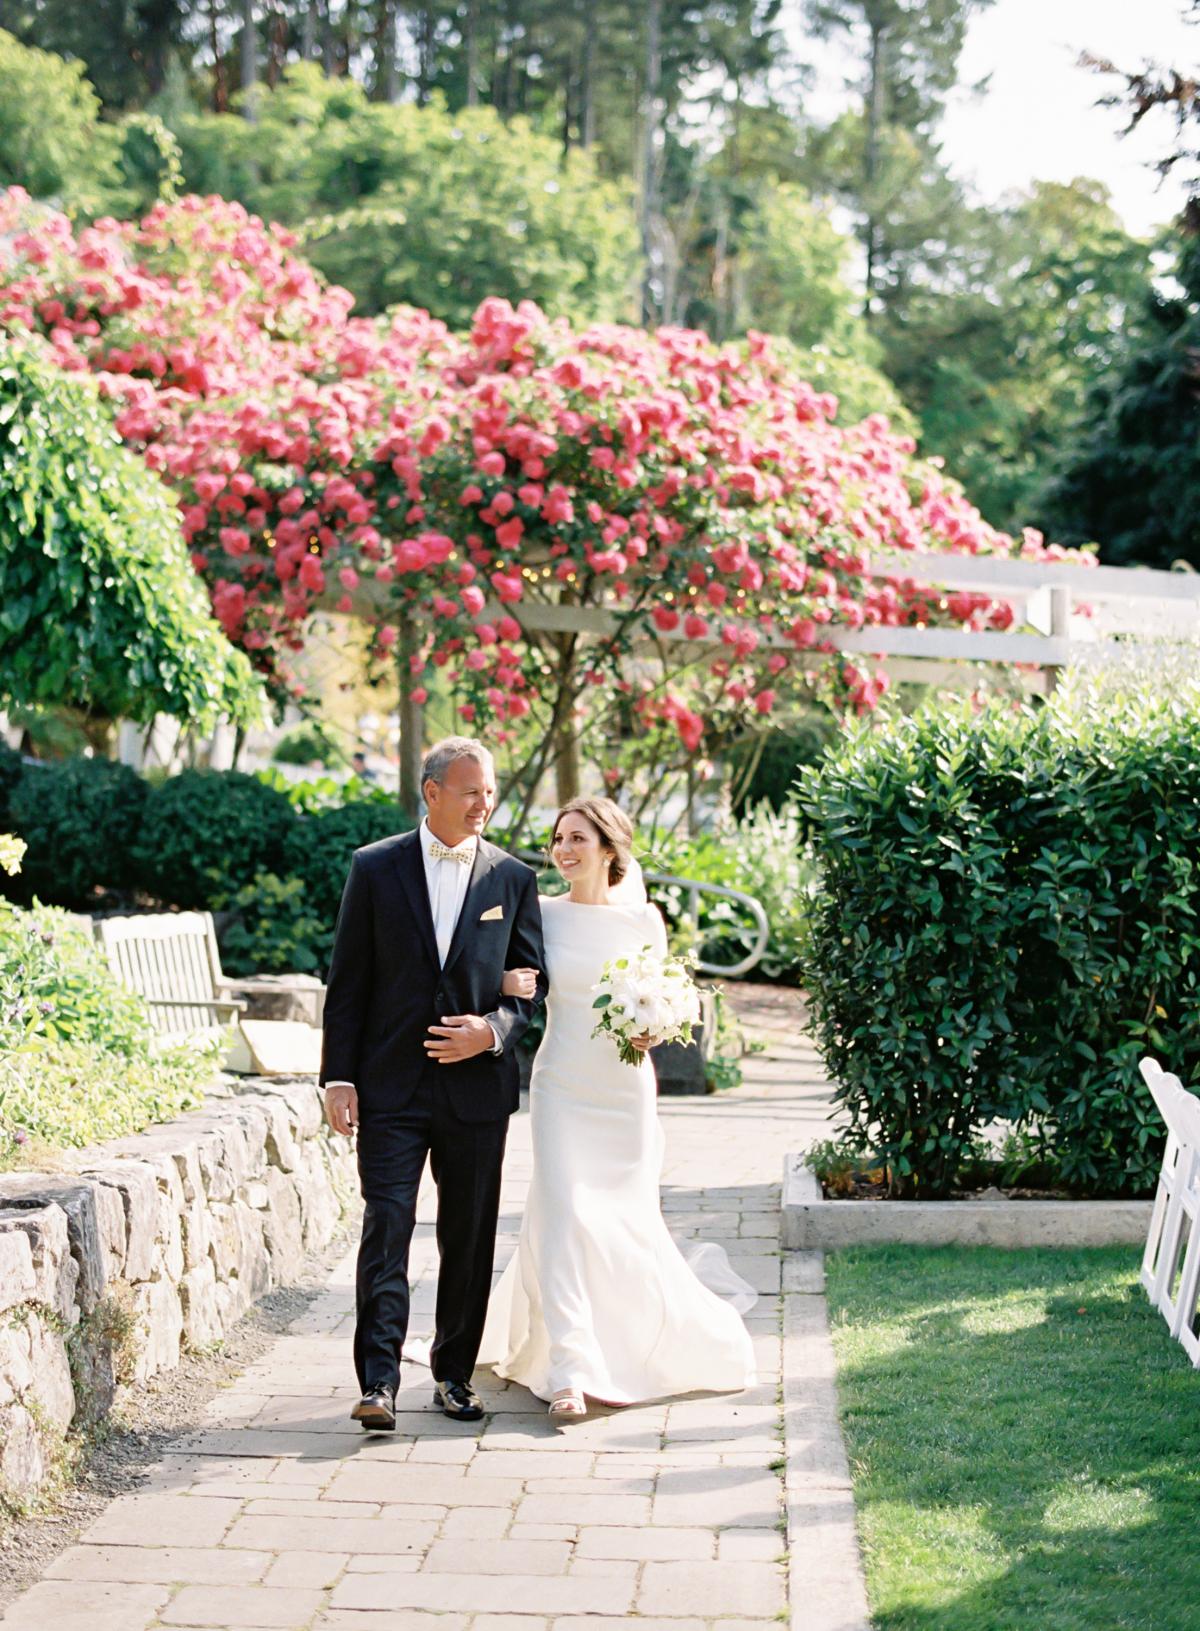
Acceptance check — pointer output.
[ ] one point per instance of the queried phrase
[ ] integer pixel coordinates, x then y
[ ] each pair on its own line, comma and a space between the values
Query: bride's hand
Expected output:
642, 1043
519, 982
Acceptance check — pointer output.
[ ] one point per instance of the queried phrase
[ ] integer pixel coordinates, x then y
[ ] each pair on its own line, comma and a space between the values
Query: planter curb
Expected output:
808, 1222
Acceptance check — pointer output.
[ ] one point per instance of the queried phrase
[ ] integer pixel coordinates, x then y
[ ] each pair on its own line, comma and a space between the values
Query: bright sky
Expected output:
1038, 119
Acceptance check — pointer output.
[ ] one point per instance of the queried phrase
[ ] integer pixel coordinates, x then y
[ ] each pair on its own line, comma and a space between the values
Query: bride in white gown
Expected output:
597, 1300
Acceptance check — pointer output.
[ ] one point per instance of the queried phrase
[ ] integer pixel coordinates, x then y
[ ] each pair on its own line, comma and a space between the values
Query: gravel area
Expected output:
145, 1420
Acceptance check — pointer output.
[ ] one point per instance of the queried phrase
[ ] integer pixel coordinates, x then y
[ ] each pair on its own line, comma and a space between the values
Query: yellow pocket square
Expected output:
494, 914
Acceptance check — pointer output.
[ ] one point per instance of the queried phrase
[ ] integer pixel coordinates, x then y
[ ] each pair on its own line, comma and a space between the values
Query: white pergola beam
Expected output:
1004, 574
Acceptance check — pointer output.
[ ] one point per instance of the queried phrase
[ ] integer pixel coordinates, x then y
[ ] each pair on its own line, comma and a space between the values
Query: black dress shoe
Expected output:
376, 1410
458, 1400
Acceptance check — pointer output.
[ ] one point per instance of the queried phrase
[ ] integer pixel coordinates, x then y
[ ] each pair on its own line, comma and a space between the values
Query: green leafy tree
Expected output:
99, 606
403, 204
51, 140
123, 46
999, 366
1132, 483
884, 158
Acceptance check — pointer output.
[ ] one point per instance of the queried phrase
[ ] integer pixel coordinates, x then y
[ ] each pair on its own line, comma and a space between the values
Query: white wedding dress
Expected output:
597, 1296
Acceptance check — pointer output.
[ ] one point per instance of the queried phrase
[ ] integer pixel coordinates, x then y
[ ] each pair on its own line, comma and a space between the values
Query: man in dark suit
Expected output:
419, 1055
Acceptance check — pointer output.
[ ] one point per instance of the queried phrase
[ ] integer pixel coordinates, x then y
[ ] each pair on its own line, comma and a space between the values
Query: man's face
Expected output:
461, 804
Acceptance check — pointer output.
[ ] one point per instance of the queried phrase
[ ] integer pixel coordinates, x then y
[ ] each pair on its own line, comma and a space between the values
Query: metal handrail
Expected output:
695, 888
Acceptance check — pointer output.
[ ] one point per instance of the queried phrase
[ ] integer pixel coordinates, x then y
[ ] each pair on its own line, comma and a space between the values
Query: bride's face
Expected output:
578, 851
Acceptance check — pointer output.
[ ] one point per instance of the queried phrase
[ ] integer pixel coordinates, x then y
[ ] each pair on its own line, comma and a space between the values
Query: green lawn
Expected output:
1024, 1438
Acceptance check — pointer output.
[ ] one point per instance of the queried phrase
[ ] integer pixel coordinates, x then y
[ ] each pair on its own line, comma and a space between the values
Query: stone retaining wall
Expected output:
150, 1245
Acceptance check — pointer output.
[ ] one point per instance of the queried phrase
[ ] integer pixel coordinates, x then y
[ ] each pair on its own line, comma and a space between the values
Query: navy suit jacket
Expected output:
386, 988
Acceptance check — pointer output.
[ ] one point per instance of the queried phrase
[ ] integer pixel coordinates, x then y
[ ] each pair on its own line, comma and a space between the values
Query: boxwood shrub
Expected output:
206, 833
80, 819
1006, 921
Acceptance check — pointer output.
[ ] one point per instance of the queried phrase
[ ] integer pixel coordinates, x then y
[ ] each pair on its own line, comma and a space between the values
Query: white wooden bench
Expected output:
172, 961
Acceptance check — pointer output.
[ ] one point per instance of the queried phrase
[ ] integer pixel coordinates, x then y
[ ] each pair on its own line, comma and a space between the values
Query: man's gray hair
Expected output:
445, 753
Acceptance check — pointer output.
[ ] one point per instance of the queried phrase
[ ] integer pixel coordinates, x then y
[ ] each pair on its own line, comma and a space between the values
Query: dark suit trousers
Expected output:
465, 1160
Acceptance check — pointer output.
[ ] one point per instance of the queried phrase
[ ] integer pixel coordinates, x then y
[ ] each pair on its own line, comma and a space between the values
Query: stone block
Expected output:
159, 1315
202, 1322
51, 1383
56, 1270
85, 1605
135, 1182
76, 1199
283, 1234
220, 1606
22, 1452
18, 1281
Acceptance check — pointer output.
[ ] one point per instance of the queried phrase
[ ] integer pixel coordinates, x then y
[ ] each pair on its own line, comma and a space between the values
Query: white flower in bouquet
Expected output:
646, 995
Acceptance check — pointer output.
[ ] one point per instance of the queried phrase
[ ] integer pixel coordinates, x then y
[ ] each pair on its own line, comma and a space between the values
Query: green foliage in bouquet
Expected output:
1006, 923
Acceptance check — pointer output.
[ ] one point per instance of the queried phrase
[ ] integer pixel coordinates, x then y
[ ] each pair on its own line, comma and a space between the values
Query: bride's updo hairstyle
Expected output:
612, 824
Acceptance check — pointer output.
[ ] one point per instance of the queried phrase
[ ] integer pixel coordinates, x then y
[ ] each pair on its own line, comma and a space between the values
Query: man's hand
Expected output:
459, 1037
341, 1108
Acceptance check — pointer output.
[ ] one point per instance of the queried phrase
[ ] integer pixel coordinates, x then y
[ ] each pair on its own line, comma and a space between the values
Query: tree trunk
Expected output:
220, 91
587, 88
308, 33
249, 58
472, 44
412, 723
328, 42
648, 211
425, 55
566, 763
277, 38
876, 109
387, 82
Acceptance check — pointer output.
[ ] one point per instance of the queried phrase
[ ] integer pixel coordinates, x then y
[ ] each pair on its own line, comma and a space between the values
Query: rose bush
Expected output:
698, 500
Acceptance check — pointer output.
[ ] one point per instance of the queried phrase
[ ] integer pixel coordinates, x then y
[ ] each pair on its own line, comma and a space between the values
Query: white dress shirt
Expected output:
446, 882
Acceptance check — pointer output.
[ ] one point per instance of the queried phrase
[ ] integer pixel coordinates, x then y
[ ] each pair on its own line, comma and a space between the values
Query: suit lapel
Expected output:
486, 857
410, 864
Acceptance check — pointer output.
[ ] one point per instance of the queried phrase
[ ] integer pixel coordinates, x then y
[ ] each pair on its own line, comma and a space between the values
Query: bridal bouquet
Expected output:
646, 995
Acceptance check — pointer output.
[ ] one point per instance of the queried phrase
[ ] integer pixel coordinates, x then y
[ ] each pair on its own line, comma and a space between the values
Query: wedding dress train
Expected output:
597, 1296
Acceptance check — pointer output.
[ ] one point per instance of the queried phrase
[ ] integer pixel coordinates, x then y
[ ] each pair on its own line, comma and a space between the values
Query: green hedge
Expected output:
81, 821
272, 860
1006, 923
206, 832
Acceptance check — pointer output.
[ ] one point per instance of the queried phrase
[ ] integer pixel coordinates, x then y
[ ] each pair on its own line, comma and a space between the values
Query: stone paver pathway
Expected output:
284, 1514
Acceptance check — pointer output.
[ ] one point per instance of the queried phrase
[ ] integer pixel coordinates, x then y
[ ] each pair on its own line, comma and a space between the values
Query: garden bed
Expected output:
1023, 1437
809, 1222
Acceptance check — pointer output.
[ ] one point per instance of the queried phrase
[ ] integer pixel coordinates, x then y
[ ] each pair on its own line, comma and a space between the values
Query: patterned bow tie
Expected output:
464, 855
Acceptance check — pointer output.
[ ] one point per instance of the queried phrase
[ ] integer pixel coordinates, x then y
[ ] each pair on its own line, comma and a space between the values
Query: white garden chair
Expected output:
1177, 1271
1166, 1090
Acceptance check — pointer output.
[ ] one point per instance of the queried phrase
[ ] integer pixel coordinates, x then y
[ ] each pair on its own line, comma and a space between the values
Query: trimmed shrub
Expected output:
1006, 921
80, 819
321, 843
11, 766
207, 833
